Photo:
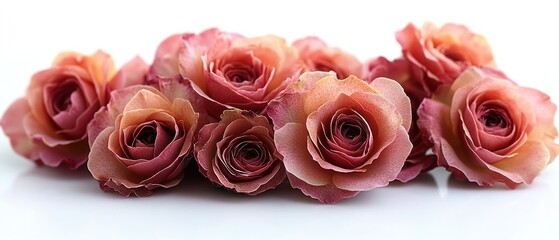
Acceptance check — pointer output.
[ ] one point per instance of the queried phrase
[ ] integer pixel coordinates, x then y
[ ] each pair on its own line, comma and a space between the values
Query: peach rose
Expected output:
141, 140
341, 137
239, 153
444, 53
490, 130
228, 70
320, 57
48, 125
409, 76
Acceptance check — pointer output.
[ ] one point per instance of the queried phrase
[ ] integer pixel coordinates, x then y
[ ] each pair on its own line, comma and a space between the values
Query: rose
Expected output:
141, 140
443, 53
490, 130
341, 137
228, 70
320, 57
48, 125
410, 77
239, 153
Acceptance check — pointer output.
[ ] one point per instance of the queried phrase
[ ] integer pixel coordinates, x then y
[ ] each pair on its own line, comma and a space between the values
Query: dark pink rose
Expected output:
228, 70
239, 153
318, 56
341, 137
490, 130
48, 125
409, 76
141, 140
443, 53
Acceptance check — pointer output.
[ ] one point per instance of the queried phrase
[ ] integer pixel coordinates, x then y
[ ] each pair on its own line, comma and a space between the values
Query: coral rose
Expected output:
341, 137
490, 130
443, 53
141, 140
320, 57
48, 125
228, 70
239, 153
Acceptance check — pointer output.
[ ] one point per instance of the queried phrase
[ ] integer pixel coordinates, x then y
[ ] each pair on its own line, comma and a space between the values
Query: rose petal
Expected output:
326, 194
392, 91
297, 160
381, 171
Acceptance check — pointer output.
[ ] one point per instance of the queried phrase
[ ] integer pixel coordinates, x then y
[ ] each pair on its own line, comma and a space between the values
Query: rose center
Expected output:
454, 56
147, 136
240, 76
250, 153
61, 100
493, 118
350, 130
347, 140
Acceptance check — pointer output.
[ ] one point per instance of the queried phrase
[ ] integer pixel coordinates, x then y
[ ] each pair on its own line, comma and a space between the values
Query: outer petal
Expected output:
104, 166
132, 73
392, 91
166, 62
325, 194
12, 125
289, 141
106, 116
382, 171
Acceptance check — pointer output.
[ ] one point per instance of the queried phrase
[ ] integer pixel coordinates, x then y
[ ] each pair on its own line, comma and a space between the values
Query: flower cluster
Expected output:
251, 113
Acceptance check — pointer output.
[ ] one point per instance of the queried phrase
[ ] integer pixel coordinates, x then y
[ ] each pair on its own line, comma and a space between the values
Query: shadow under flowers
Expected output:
194, 186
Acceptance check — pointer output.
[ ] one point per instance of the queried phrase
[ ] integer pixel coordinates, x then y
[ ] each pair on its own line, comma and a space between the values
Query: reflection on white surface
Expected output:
37, 202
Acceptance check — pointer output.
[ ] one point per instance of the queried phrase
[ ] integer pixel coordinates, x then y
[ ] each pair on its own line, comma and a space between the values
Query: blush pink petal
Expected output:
382, 170
544, 110
169, 172
12, 125
72, 156
132, 73
517, 170
106, 167
290, 140
328, 88
394, 92
410, 172
290, 107
326, 194
166, 62
164, 159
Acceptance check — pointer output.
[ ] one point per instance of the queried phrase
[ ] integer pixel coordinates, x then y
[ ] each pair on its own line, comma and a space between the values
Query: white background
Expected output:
57, 204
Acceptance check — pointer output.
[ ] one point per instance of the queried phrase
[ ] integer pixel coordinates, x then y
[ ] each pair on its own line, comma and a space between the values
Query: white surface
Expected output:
57, 204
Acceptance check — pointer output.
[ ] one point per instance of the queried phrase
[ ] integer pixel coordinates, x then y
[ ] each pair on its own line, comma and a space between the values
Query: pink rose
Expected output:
320, 57
341, 137
228, 70
409, 76
490, 130
443, 53
239, 153
48, 125
141, 140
